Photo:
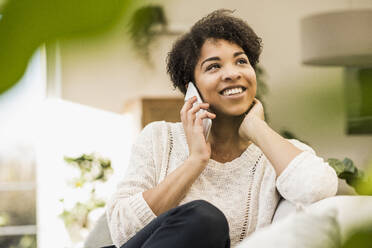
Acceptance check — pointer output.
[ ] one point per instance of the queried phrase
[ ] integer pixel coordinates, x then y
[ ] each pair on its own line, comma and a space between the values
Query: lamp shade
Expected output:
338, 38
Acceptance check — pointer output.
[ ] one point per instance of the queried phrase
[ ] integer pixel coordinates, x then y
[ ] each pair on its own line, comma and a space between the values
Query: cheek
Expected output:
251, 78
254, 88
253, 91
207, 84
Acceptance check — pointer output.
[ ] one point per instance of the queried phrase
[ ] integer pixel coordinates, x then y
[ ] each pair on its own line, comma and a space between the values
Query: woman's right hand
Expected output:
199, 148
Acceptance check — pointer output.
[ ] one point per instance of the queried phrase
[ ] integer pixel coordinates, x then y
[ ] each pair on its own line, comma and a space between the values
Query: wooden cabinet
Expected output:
157, 109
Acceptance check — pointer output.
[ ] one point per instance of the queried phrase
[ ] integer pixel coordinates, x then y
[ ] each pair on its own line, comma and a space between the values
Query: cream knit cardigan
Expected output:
246, 189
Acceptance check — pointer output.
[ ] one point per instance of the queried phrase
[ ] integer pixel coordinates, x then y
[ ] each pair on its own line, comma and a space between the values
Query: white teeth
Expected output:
233, 91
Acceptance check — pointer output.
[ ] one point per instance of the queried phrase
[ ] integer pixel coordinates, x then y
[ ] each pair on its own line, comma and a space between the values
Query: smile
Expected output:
232, 91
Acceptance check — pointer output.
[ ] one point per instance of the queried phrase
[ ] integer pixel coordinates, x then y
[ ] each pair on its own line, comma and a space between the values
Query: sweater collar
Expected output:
247, 158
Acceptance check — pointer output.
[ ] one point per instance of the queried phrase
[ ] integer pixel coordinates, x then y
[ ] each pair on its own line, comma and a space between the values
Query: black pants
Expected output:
195, 224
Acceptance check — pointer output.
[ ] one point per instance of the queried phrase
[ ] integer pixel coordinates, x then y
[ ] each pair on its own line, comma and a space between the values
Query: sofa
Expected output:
327, 223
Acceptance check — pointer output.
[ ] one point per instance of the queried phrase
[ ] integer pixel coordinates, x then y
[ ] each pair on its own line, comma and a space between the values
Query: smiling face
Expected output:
225, 78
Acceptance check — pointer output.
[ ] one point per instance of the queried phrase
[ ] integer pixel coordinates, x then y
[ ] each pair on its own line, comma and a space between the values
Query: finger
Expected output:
257, 104
258, 109
199, 127
191, 114
257, 101
189, 119
191, 101
211, 115
203, 115
206, 114
186, 106
197, 107
250, 107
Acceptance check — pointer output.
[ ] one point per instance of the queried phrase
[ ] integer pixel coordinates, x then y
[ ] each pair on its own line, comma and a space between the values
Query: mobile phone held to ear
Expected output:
191, 92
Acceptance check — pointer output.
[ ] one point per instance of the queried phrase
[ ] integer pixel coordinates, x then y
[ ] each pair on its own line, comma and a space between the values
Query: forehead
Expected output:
217, 48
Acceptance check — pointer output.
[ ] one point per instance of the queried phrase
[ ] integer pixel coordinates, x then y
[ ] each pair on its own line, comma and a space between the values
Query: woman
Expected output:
182, 190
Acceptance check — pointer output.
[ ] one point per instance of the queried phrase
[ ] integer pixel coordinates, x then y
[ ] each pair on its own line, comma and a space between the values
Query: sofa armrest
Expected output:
352, 211
100, 235
283, 209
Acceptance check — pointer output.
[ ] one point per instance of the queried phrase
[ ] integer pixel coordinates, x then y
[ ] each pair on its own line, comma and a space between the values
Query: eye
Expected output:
242, 61
212, 66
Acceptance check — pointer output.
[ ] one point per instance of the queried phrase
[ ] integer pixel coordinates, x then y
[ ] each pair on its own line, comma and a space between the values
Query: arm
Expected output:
174, 187
127, 212
307, 178
302, 177
139, 199
278, 150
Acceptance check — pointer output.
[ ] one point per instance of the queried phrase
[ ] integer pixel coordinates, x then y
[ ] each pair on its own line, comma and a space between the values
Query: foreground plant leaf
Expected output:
26, 24
360, 181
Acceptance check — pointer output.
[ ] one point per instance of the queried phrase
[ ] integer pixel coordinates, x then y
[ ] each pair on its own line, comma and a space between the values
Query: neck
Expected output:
225, 132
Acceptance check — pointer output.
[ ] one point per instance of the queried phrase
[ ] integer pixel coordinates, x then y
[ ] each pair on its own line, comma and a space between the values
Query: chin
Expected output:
236, 112
233, 110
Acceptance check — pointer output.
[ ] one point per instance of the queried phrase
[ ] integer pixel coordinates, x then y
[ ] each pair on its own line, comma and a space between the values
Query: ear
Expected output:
187, 85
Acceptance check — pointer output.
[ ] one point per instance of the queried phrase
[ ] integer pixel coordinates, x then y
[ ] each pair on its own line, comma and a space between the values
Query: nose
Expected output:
230, 73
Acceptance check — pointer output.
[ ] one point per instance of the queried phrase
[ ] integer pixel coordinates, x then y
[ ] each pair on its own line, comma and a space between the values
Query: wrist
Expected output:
259, 127
249, 128
197, 161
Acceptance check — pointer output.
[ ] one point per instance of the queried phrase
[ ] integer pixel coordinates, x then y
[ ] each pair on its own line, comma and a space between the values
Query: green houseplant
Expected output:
92, 171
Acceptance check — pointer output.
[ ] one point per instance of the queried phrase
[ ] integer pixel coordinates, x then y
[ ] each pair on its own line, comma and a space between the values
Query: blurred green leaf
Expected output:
27, 241
78, 214
2, 4
349, 166
4, 219
26, 24
364, 184
91, 167
337, 165
360, 181
361, 238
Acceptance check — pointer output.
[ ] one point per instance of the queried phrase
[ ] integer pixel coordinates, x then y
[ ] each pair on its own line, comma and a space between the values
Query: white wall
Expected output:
70, 129
309, 101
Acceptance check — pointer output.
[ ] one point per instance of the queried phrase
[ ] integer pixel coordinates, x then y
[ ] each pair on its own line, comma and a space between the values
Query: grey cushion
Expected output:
305, 230
100, 235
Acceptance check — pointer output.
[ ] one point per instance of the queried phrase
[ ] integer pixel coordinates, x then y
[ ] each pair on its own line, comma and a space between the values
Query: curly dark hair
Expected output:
219, 24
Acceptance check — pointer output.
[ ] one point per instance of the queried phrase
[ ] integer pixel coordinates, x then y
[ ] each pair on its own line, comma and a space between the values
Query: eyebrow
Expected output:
218, 58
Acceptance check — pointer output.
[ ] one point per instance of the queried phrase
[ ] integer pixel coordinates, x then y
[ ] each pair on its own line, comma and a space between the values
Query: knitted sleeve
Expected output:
127, 212
307, 178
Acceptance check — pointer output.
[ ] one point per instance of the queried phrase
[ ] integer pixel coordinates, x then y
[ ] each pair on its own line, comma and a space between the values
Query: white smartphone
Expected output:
191, 92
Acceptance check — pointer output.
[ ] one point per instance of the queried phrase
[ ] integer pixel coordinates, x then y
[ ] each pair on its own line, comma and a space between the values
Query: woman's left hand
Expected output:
279, 151
248, 126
